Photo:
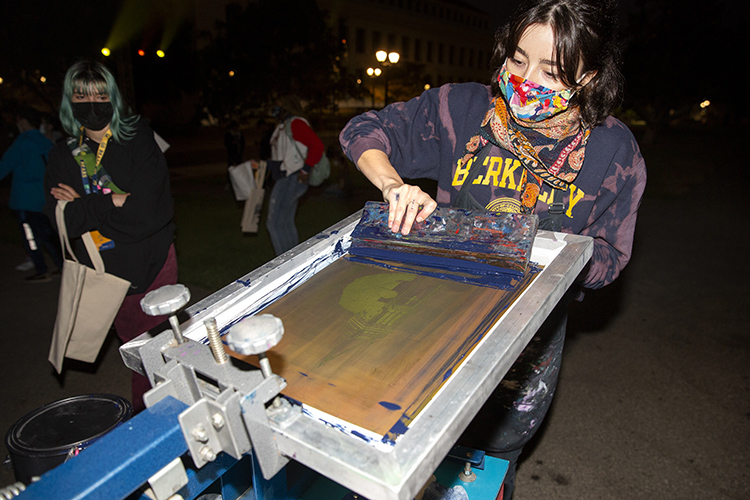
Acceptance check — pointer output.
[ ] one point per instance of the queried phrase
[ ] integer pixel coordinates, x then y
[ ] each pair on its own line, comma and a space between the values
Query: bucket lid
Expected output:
67, 423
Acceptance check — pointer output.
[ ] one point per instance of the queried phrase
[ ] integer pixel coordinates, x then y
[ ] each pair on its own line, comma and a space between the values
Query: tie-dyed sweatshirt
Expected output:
425, 137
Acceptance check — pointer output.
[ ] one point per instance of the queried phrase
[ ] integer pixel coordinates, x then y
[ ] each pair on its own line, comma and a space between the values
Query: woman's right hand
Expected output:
406, 203
64, 192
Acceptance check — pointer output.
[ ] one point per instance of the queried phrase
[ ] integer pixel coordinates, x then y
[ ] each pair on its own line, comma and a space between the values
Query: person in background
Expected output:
537, 140
234, 142
50, 128
295, 149
115, 178
26, 161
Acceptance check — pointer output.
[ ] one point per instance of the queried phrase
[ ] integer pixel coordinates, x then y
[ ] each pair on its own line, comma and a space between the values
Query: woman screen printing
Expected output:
539, 140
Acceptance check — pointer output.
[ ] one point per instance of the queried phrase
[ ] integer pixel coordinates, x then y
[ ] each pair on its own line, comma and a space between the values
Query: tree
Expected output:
676, 55
267, 49
405, 81
40, 39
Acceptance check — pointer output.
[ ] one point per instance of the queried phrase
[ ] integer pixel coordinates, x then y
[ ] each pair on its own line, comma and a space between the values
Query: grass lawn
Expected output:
213, 252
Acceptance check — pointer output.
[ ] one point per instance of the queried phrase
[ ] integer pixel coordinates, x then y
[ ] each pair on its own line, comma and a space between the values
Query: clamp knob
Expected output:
167, 300
256, 335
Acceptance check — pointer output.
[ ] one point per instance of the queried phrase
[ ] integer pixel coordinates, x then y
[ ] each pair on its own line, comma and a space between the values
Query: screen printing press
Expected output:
211, 408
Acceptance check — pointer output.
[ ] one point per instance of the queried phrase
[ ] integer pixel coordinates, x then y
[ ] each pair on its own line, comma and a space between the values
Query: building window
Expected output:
429, 52
377, 41
418, 50
359, 41
405, 46
441, 55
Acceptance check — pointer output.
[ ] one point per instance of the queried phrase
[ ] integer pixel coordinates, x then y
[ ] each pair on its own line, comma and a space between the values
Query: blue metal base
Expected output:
118, 464
487, 483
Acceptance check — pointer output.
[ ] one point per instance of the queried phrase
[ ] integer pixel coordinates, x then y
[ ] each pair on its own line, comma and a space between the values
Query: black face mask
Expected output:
93, 115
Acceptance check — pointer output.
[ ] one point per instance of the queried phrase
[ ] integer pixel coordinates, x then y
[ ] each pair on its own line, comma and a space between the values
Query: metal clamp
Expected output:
208, 430
167, 300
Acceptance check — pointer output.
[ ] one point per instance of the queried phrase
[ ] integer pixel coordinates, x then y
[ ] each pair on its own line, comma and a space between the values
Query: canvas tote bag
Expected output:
88, 302
254, 204
242, 179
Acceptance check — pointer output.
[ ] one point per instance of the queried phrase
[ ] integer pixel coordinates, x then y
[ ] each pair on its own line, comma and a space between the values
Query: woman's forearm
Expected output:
376, 166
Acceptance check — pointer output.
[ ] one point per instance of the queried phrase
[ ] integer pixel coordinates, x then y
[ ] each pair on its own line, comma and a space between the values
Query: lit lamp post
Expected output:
386, 59
373, 73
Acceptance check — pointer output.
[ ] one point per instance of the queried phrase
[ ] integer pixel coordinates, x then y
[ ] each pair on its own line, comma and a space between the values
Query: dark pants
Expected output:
515, 410
37, 234
131, 321
282, 207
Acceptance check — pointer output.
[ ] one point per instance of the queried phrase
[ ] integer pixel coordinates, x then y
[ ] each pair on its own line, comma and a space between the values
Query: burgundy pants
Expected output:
131, 321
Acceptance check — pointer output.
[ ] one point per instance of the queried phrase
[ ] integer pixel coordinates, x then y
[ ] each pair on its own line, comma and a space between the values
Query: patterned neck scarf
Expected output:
550, 150
94, 176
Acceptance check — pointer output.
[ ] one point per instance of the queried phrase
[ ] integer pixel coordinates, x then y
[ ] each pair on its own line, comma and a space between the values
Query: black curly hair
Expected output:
585, 31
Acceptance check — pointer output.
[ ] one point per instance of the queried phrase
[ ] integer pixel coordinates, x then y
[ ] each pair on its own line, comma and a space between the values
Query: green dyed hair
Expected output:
88, 77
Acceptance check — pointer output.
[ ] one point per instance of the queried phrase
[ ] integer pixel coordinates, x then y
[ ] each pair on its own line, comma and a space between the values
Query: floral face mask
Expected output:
530, 101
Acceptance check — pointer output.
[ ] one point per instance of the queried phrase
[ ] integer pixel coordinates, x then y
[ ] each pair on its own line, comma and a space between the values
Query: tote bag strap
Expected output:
62, 230
88, 241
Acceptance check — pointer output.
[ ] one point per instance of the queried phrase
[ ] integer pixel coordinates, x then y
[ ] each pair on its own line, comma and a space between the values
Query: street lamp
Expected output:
373, 73
382, 55
386, 59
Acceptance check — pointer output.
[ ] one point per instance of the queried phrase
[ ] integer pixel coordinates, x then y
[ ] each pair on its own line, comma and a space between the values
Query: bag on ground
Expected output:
242, 179
254, 203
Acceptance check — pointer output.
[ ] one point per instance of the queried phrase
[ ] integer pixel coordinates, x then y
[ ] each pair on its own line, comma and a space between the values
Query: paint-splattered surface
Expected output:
451, 237
371, 345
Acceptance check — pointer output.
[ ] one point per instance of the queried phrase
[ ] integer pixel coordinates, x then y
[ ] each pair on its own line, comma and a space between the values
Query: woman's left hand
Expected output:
64, 192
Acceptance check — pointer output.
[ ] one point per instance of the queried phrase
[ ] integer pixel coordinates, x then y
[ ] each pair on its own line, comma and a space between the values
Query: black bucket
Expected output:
48, 436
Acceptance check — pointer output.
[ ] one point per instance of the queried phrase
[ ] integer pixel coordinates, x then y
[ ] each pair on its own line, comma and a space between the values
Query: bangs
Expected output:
567, 45
90, 84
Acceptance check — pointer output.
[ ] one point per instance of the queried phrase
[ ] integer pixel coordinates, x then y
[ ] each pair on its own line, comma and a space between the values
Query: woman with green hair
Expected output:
115, 179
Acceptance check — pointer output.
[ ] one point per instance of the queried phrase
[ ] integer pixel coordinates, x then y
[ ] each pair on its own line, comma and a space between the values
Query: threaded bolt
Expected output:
217, 421
207, 454
200, 434
214, 341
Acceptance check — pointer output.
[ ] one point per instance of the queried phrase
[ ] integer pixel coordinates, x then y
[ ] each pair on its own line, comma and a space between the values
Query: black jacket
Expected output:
142, 229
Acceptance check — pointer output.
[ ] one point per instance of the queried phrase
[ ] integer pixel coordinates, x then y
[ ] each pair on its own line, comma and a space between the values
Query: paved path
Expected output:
654, 396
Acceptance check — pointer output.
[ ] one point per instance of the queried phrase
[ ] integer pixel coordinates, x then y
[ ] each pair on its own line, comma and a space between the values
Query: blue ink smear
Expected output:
361, 436
304, 374
339, 249
399, 427
389, 406
447, 374
244, 283
293, 401
388, 441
